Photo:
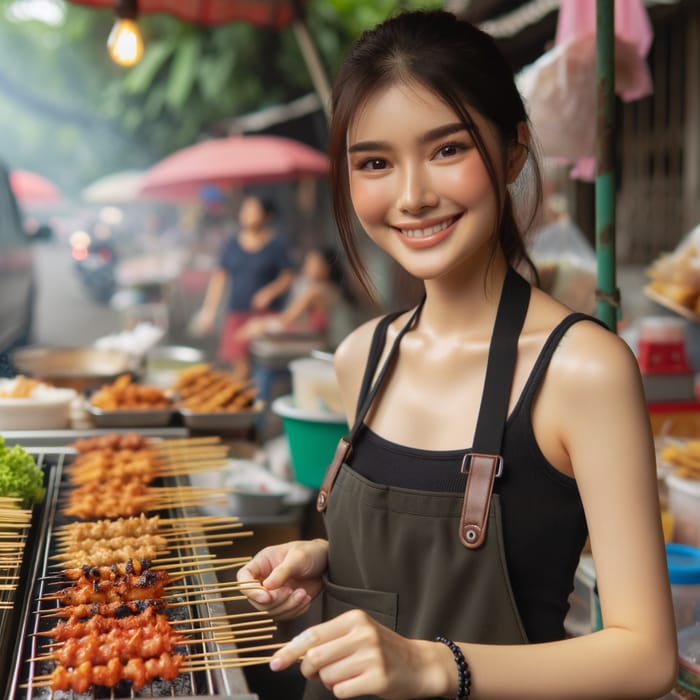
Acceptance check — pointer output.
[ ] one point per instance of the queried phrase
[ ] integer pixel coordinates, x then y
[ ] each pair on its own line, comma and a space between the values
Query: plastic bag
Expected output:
566, 264
559, 90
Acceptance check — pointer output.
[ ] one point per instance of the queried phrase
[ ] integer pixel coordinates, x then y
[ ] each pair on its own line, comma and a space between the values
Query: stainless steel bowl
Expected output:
163, 363
76, 368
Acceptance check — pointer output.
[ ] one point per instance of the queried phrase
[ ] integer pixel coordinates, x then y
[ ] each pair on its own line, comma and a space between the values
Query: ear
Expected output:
518, 153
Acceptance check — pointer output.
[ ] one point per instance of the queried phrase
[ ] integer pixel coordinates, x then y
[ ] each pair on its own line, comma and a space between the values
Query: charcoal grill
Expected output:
18, 628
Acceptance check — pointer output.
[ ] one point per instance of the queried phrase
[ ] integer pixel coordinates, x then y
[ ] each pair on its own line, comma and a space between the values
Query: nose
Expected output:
416, 191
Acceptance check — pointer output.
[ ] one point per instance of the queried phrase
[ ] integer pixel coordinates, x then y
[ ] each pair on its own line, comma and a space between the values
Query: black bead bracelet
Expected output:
465, 680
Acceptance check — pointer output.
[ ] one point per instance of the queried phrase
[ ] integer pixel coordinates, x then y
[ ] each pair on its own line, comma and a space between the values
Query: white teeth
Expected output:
425, 232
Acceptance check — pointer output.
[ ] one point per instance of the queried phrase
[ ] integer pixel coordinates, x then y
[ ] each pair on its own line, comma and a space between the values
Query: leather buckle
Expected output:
466, 461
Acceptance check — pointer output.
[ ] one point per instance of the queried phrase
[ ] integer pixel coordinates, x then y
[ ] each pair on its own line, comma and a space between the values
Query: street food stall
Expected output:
119, 565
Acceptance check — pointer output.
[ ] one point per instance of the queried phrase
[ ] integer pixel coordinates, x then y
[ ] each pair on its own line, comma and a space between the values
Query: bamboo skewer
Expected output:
183, 642
227, 652
171, 443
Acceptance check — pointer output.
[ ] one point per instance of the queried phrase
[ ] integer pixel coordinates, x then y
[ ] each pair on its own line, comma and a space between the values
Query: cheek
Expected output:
371, 200
469, 185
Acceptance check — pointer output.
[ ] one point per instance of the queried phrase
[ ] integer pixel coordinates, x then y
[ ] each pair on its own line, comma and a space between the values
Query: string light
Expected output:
125, 43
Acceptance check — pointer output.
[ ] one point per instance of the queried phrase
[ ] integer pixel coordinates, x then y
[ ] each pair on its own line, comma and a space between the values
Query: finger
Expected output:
255, 594
297, 604
291, 567
258, 568
294, 650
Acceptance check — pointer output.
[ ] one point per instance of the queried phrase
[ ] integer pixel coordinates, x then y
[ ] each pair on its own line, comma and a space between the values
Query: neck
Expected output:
466, 303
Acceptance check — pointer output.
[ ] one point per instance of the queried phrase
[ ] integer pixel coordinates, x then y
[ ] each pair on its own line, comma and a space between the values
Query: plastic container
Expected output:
312, 436
689, 659
684, 505
684, 575
47, 409
314, 386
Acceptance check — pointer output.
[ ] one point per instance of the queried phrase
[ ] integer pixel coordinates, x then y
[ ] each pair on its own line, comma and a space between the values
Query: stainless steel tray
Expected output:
222, 420
145, 418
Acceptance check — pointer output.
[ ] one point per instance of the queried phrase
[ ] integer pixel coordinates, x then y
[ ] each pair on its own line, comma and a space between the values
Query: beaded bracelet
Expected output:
465, 678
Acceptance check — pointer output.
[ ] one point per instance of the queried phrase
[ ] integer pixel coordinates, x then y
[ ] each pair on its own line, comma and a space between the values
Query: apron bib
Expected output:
426, 563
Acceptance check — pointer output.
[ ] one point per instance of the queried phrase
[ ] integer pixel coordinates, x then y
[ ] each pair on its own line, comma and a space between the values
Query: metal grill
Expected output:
214, 683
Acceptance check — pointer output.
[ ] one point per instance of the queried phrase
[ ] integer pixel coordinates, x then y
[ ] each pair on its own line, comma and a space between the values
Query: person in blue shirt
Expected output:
256, 261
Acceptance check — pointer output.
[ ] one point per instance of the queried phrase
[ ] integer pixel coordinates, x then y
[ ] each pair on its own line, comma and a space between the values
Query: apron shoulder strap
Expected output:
373, 357
484, 462
367, 394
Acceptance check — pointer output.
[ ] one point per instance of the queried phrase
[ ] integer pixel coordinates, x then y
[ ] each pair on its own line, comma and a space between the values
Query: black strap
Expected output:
364, 406
375, 353
484, 461
503, 353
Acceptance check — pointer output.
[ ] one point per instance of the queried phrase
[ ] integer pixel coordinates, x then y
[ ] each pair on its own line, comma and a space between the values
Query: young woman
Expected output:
493, 429
257, 262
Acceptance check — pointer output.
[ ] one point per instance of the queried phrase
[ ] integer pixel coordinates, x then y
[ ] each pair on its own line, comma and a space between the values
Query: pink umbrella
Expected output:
229, 162
33, 189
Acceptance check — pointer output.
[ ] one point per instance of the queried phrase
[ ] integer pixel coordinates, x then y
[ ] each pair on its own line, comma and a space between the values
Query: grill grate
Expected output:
214, 683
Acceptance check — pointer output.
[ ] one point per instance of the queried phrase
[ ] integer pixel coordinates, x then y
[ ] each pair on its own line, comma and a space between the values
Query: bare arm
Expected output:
605, 430
267, 294
301, 303
212, 299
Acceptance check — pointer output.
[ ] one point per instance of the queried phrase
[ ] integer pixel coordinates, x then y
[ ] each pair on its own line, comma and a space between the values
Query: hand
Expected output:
354, 655
290, 575
261, 300
203, 322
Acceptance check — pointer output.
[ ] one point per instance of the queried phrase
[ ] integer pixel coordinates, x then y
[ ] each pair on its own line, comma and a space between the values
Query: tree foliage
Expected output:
67, 111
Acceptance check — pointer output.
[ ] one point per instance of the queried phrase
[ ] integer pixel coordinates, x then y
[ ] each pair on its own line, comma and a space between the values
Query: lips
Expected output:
428, 235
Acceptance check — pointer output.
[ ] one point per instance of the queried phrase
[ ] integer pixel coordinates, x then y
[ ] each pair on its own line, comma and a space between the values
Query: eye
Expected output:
372, 164
451, 149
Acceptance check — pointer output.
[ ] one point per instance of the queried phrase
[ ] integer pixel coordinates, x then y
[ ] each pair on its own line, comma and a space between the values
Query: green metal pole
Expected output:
607, 293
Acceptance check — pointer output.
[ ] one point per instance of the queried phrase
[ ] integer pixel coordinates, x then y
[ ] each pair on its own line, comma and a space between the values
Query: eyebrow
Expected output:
427, 137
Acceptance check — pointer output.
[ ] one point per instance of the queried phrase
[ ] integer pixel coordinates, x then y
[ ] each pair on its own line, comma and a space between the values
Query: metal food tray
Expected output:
222, 420
222, 684
137, 418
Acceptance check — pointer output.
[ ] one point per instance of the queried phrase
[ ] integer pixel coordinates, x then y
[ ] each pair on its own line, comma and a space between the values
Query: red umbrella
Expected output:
232, 161
34, 189
275, 14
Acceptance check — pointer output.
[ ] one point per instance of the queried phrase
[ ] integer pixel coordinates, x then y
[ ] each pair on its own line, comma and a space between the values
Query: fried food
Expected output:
204, 390
124, 395
19, 388
685, 458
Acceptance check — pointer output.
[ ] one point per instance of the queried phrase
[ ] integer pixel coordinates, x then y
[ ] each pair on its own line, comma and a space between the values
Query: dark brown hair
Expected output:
460, 64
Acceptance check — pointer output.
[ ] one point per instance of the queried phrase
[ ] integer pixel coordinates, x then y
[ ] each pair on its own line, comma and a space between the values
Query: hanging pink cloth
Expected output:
577, 18
560, 86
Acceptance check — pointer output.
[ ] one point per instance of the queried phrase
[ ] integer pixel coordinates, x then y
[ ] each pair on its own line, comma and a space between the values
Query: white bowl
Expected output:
257, 491
46, 409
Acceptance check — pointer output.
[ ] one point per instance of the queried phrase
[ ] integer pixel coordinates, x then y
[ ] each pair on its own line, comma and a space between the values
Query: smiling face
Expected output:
419, 185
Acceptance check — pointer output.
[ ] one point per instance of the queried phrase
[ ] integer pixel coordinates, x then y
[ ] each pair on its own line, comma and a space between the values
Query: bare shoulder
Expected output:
352, 352
591, 355
350, 360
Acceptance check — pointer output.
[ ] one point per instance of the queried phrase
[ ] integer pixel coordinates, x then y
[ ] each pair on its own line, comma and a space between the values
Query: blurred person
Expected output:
256, 262
319, 303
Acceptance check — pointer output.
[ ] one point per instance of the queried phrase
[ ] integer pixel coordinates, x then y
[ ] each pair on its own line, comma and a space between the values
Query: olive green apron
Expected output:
427, 563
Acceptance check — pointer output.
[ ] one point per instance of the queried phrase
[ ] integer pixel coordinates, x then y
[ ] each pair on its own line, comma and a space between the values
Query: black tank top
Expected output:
544, 526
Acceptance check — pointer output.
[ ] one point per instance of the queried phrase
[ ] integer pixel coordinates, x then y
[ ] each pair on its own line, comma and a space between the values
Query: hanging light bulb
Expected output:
125, 43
